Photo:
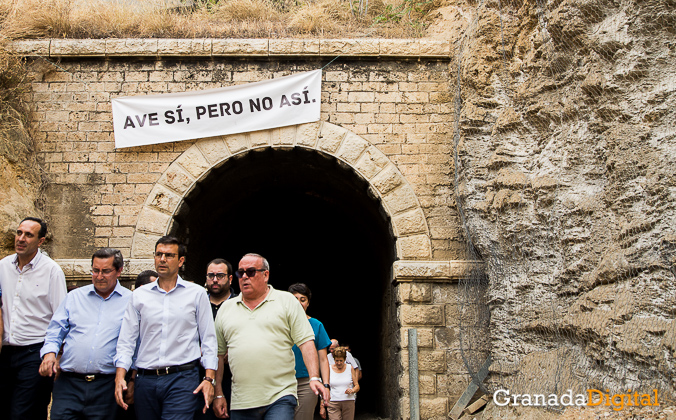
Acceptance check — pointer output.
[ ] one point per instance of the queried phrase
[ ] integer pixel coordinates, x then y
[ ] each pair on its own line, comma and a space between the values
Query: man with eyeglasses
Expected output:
218, 284
87, 324
171, 322
256, 332
33, 286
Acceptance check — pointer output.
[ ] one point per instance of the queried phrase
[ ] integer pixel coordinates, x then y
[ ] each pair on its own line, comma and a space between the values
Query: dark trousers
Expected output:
75, 398
167, 397
282, 409
227, 389
24, 394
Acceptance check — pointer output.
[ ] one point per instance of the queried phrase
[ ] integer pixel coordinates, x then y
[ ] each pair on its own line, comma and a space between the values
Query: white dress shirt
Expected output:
29, 298
169, 327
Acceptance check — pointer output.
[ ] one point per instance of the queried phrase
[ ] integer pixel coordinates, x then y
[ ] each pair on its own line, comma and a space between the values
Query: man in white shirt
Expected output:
33, 287
2, 326
168, 319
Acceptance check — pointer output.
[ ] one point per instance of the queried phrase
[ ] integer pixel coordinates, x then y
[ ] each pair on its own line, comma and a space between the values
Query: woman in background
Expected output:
344, 386
307, 400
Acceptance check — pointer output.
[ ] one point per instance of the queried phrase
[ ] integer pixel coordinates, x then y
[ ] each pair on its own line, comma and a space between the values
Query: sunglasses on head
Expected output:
250, 272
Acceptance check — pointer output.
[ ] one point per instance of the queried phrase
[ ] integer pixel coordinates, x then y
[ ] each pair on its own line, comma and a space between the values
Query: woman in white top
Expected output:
344, 386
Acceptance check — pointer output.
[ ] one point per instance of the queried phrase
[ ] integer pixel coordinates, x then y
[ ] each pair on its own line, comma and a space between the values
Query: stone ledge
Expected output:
404, 270
433, 271
219, 47
80, 269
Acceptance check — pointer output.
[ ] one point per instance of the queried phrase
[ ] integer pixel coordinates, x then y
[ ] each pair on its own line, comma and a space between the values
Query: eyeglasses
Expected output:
167, 255
96, 271
250, 272
219, 276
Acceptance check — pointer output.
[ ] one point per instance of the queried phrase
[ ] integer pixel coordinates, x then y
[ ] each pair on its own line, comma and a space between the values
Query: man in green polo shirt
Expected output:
256, 332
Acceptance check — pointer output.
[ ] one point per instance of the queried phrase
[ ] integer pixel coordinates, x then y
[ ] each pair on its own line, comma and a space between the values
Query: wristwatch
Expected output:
314, 378
327, 386
212, 380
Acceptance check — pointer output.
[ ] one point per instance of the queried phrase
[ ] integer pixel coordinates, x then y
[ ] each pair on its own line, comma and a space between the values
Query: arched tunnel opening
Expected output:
315, 221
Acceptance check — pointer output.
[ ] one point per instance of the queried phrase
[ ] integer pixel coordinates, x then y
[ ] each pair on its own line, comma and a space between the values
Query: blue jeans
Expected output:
282, 409
24, 394
167, 397
77, 398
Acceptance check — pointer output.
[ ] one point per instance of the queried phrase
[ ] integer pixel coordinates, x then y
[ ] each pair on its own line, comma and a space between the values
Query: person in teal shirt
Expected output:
307, 400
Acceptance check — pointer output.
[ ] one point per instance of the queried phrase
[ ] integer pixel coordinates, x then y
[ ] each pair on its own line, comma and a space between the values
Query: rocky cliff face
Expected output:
19, 172
566, 166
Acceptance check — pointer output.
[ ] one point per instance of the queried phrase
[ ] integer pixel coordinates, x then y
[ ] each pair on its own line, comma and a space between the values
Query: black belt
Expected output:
12, 349
89, 377
26, 347
168, 369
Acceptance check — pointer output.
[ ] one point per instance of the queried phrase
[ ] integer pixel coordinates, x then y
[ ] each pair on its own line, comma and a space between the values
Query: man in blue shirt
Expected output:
170, 320
87, 323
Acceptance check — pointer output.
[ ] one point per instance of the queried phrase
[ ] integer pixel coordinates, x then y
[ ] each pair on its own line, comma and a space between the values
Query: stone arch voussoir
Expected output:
396, 194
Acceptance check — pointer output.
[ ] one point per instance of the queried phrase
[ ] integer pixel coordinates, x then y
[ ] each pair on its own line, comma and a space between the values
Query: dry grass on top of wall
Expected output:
29, 19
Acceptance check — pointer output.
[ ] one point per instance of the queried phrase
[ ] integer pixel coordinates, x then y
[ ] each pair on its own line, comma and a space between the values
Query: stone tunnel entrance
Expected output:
316, 223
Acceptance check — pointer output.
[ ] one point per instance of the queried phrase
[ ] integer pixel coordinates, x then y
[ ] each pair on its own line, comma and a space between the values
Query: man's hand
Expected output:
207, 389
309, 353
319, 389
129, 395
322, 411
49, 365
120, 387
221, 407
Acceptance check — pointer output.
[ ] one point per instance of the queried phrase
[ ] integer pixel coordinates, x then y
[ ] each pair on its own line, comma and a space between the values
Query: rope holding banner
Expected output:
327, 64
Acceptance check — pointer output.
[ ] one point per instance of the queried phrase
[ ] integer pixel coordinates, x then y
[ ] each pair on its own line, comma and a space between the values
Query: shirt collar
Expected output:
117, 288
34, 262
179, 283
271, 296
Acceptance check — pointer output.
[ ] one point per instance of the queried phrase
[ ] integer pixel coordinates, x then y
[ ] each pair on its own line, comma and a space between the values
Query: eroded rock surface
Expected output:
19, 180
566, 152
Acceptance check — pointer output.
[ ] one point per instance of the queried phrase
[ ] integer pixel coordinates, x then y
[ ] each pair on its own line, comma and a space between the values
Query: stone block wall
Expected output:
401, 106
96, 192
431, 308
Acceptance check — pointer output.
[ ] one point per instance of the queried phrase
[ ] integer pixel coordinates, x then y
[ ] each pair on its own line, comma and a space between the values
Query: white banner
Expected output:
290, 100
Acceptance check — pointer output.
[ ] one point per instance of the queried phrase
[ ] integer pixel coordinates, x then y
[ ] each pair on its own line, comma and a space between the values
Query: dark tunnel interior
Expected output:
314, 220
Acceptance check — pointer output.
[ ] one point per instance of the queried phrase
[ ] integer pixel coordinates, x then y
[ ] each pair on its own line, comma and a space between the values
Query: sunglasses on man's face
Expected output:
219, 276
250, 272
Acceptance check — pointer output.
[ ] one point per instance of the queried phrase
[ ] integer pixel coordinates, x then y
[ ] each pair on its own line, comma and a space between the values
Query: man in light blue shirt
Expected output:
87, 323
168, 318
